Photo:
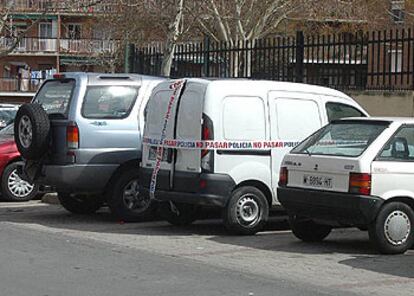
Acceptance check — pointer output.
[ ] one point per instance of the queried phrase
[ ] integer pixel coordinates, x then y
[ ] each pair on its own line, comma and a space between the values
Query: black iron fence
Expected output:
364, 60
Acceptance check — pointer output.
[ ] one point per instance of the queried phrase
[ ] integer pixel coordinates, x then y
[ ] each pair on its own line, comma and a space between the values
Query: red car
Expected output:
13, 188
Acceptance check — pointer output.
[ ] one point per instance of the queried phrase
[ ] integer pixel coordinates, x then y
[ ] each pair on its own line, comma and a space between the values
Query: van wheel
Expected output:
178, 214
126, 201
307, 230
13, 188
247, 211
392, 231
81, 204
31, 131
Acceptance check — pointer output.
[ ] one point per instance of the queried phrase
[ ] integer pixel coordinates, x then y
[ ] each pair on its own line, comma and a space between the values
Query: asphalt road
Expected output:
46, 251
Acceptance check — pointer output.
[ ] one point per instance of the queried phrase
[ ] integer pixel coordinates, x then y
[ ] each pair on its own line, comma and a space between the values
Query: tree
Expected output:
149, 22
243, 20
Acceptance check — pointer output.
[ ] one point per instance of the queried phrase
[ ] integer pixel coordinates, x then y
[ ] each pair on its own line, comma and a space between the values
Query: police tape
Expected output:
177, 88
241, 145
218, 145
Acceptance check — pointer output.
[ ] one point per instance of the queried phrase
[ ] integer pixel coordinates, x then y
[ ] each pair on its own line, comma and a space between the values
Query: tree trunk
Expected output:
173, 34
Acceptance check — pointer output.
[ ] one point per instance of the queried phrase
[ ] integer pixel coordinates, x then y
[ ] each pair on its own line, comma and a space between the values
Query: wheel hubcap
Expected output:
18, 187
25, 131
132, 199
397, 228
248, 210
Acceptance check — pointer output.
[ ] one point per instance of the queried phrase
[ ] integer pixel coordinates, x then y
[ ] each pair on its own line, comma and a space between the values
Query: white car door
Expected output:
393, 169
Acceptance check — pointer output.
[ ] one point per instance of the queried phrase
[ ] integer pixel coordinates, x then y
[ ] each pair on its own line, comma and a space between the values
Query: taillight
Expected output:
205, 136
72, 136
207, 133
58, 76
360, 183
283, 176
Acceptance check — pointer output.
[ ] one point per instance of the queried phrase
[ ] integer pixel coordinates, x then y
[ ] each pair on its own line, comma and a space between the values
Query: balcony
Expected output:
87, 46
19, 85
48, 46
68, 6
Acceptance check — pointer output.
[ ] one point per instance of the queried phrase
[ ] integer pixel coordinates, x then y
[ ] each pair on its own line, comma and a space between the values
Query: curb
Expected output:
50, 198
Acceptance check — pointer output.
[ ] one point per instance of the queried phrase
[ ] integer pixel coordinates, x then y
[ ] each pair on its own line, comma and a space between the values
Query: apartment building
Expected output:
59, 36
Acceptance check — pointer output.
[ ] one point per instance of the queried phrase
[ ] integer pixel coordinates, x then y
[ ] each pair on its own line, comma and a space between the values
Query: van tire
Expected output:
125, 191
245, 204
187, 213
380, 231
31, 131
10, 178
80, 204
308, 230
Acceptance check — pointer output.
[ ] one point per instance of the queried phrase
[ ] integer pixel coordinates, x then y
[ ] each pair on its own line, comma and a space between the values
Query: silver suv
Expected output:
82, 135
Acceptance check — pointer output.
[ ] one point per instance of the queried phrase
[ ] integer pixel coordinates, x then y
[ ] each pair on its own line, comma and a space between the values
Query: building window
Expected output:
74, 31
397, 11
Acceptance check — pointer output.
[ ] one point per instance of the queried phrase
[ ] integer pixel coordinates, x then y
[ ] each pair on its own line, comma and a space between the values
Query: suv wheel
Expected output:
13, 188
392, 231
31, 131
247, 211
307, 230
125, 200
179, 214
81, 204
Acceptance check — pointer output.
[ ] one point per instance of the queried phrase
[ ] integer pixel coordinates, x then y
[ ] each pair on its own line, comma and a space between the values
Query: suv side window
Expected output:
400, 147
339, 110
109, 102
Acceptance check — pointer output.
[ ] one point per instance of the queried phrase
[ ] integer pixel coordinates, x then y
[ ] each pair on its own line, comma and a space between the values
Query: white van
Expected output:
241, 181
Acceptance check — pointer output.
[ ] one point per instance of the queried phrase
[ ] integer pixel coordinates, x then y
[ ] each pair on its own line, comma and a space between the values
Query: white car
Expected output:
229, 114
353, 172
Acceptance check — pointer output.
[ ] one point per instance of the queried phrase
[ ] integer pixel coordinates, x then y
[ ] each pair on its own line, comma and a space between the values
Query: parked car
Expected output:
13, 188
82, 135
241, 181
7, 114
353, 172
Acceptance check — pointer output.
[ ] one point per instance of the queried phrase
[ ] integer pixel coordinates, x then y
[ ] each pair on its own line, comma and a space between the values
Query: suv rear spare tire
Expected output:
31, 131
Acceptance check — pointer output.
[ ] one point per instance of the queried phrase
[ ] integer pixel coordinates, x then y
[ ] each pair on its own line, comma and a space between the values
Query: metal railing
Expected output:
67, 46
20, 84
370, 60
68, 6
87, 46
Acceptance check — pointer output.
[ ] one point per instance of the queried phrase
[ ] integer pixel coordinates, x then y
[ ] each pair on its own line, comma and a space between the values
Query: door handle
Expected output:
99, 123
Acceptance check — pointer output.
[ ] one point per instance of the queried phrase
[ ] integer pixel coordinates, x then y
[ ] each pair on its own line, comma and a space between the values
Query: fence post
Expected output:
129, 58
206, 62
300, 49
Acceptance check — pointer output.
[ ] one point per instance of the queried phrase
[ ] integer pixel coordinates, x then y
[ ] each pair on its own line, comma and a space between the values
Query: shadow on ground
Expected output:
397, 265
276, 237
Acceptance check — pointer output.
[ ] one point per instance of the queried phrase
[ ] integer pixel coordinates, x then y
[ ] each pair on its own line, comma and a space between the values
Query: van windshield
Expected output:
55, 95
348, 139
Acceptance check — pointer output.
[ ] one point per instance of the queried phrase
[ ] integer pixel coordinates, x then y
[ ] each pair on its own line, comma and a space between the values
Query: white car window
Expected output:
400, 147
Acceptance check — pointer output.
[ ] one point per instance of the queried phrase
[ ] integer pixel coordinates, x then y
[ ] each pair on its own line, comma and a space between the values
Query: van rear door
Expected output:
183, 123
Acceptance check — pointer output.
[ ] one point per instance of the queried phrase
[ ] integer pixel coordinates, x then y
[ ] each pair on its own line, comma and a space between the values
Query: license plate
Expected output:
317, 181
153, 154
